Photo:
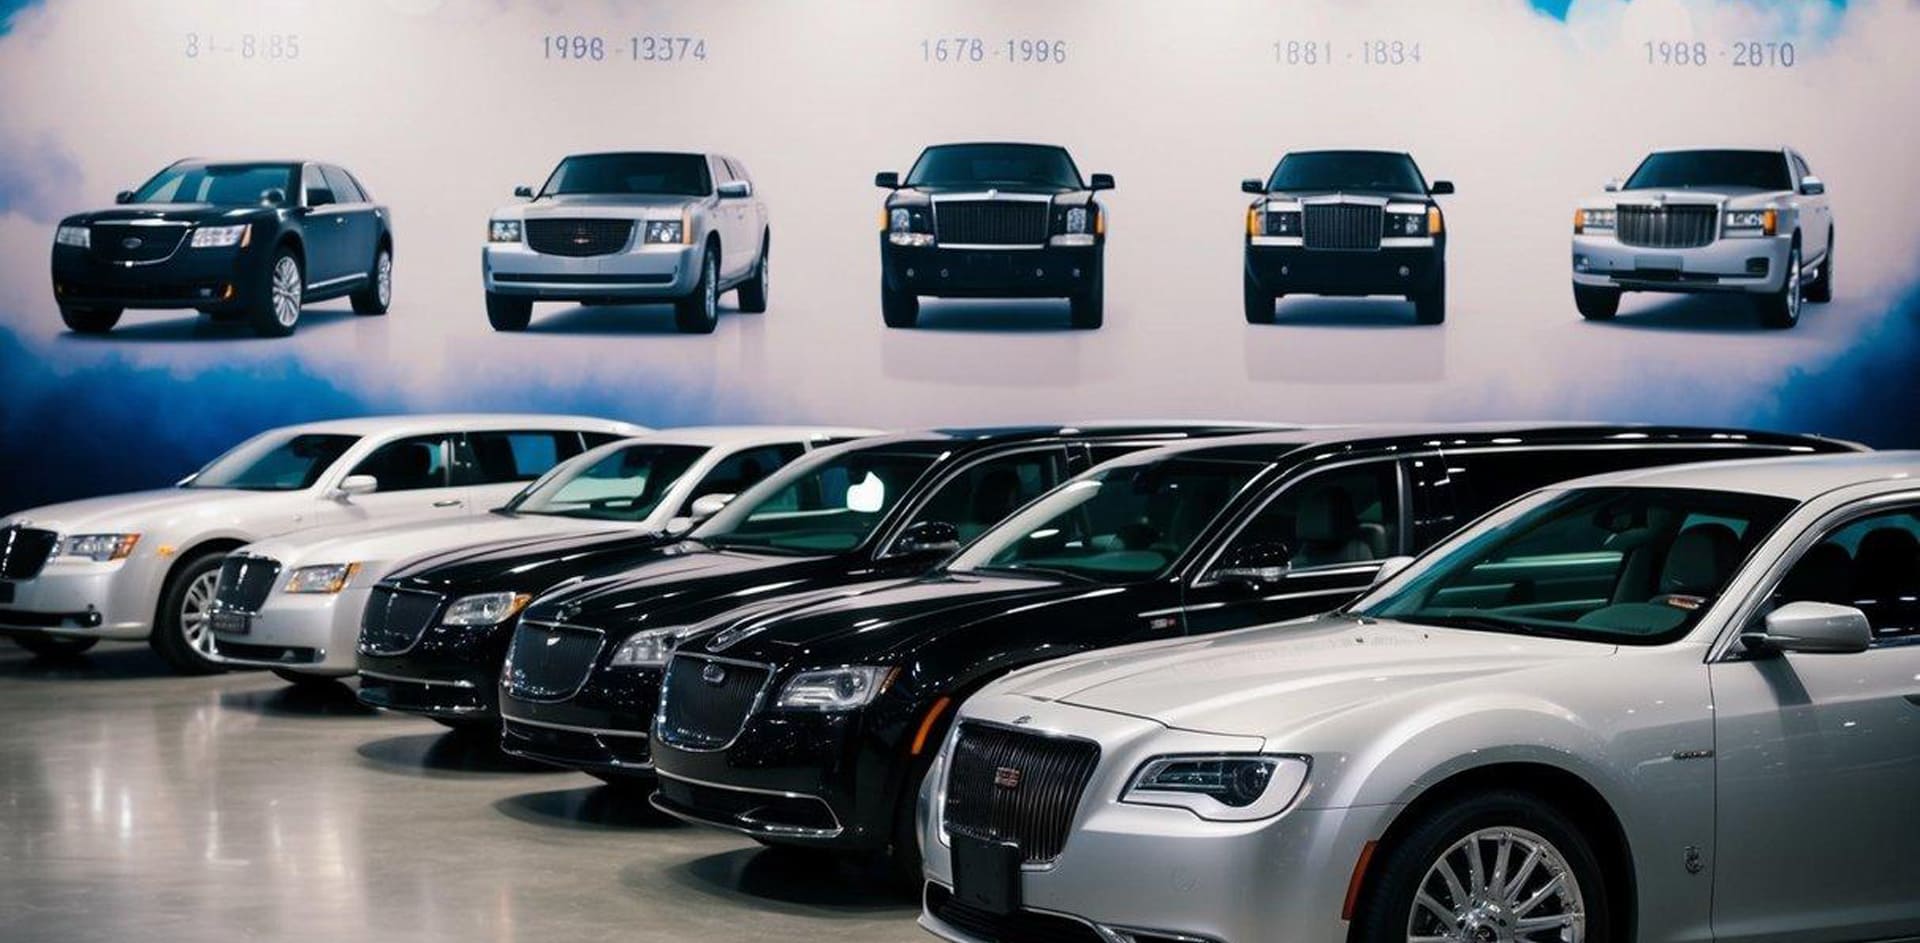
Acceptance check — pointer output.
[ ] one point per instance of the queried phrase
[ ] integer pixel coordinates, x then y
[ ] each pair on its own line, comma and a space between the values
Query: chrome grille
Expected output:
1012, 786
122, 242
395, 619
1342, 226
245, 582
705, 702
578, 237
991, 222
1665, 227
24, 550
549, 662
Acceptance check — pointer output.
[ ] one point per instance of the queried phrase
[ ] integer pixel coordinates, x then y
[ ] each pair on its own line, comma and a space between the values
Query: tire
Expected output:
1430, 306
377, 294
507, 313
181, 635
1412, 864
275, 308
301, 679
1256, 300
89, 320
1820, 290
699, 312
1781, 310
752, 294
1088, 310
54, 647
1596, 304
899, 308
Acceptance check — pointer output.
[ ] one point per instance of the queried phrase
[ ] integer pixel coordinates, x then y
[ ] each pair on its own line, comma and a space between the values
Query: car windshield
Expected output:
818, 507
274, 462
631, 174
1762, 170
1007, 165
1629, 566
219, 184
626, 484
1348, 170
1117, 524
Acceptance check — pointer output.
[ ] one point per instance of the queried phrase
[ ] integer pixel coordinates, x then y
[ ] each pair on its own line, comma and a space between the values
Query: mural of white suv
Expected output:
144, 565
293, 603
1708, 220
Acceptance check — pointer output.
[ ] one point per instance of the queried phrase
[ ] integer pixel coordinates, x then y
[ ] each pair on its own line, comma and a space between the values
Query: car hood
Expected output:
381, 547
1731, 196
674, 588
143, 511
172, 212
533, 563
1262, 681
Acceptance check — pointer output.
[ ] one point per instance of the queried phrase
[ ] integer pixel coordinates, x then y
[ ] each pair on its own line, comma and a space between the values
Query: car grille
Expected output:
703, 712
1011, 786
578, 237
395, 619
549, 662
119, 242
1342, 226
1665, 227
245, 582
991, 222
24, 550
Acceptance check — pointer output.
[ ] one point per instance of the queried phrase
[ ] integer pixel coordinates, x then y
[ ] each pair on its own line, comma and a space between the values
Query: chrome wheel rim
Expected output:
1793, 285
712, 301
383, 278
286, 291
194, 612
764, 280
1498, 885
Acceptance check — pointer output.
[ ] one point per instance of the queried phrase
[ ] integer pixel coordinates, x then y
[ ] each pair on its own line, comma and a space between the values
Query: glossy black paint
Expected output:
1282, 270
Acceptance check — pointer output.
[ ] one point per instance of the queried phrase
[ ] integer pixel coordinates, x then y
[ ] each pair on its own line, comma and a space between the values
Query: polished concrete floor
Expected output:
139, 806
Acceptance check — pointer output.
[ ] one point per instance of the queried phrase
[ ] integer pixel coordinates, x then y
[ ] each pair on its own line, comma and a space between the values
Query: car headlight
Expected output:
1595, 220
664, 231
73, 236
1075, 220
648, 649
835, 689
1407, 224
485, 608
99, 548
1240, 787
221, 237
1279, 222
325, 579
907, 226
1751, 222
503, 230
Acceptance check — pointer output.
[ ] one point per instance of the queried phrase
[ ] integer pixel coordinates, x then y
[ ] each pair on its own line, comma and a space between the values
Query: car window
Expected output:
1349, 515
409, 464
985, 493
219, 184
626, 484
743, 470
315, 186
1872, 564
490, 458
824, 506
343, 187
285, 462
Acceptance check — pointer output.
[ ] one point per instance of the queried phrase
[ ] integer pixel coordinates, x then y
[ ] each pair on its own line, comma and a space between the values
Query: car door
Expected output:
324, 231
493, 465
415, 478
1818, 755
730, 216
1815, 236
361, 227
753, 214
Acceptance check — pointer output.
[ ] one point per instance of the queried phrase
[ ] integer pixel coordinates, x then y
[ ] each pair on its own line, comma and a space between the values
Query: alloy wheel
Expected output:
286, 291
383, 278
1793, 284
194, 612
711, 302
1498, 885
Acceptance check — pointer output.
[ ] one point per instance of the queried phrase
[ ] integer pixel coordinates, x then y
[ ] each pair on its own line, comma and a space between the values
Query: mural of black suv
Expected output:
1346, 222
993, 220
252, 241
812, 722
582, 675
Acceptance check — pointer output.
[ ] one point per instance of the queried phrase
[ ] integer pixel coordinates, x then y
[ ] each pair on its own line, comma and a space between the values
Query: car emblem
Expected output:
993, 194
713, 674
1007, 777
131, 242
1023, 719
581, 238
553, 640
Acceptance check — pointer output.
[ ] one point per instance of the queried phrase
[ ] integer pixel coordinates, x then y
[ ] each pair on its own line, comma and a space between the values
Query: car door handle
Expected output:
448, 503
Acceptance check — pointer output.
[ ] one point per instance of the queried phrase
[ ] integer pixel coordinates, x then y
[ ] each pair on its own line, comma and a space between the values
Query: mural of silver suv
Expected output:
629, 228
1708, 220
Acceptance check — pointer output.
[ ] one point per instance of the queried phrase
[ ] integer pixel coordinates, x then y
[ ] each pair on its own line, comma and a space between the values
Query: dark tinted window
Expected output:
498, 457
824, 507
989, 164
671, 174
220, 184
1764, 170
285, 463
314, 185
344, 189
408, 464
1872, 564
743, 470
1349, 515
984, 494
1347, 170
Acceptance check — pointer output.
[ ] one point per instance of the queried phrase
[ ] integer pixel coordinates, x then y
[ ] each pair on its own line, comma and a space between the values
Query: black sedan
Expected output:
238, 241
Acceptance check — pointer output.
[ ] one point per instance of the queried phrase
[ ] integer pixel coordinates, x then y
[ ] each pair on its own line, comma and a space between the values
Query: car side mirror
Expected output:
319, 197
1811, 627
1390, 568
273, 196
707, 505
1812, 186
1100, 182
1253, 185
124, 196
1613, 185
887, 179
523, 192
1441, 188
354, 485
734, 190
928, 537
1255, 564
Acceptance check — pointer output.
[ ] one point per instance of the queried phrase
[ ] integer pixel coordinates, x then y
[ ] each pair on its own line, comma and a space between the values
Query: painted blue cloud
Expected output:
1558, 8
11, 8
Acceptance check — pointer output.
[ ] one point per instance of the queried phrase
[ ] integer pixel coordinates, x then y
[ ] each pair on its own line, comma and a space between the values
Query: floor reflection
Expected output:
331, 699
431, 754
590, 807
789, 876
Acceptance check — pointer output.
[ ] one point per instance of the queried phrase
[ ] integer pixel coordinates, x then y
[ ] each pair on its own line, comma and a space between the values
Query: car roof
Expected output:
1799, 478
749, 435
1413, 436
1750, 149
1051, 147
462, 422
1395, 151
675, 151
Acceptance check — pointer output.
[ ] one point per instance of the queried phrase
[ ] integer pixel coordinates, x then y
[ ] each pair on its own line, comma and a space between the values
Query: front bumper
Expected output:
1046, 272
637, 274
604, 727
213, 279
309, 632
1390, 270
450, 671
81, 599
1732, 264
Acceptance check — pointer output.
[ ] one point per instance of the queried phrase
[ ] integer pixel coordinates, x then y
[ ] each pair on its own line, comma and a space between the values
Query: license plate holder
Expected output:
228, 622
986, 874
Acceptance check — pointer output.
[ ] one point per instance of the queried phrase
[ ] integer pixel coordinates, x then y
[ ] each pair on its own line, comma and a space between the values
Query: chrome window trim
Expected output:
1198, 576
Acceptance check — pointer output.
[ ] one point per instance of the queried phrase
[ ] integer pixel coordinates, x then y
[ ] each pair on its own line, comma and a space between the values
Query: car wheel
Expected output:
753, 292
47, 646
1430, 306
182, 629
1781, 310
899, 308
507, 313
699, 312
1501, 865
1088, 310
301, 679
1596, 304
275, 310
1820, 290
1256, 300
89, 320
378, 292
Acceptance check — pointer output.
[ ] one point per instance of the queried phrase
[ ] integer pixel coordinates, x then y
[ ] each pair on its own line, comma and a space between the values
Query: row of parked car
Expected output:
256, 241
1145, 681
